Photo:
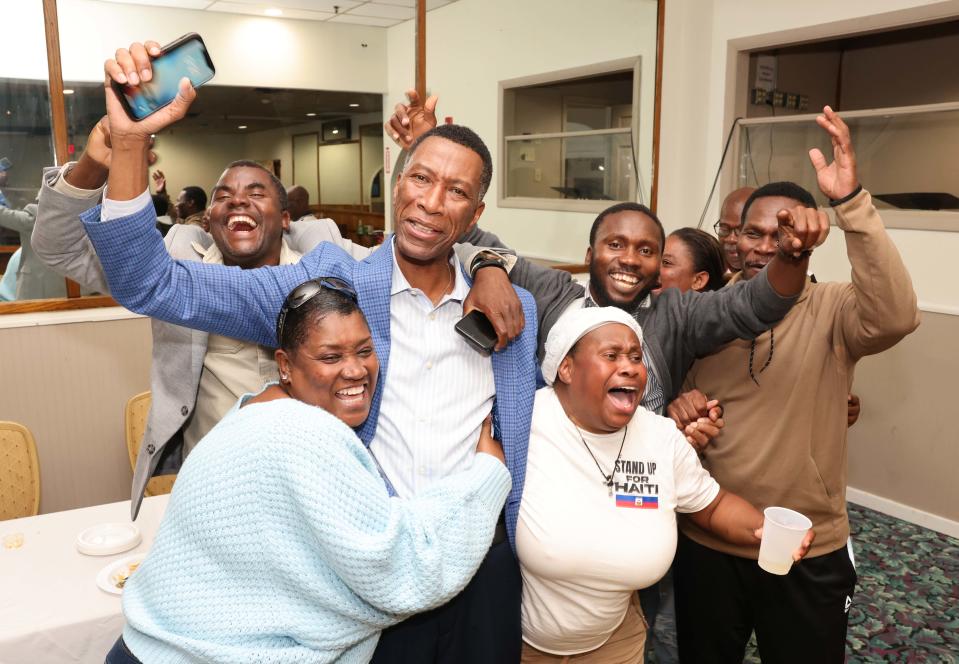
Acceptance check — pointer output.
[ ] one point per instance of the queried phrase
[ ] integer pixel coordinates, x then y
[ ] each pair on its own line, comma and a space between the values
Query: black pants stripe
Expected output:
481, 625
800, 617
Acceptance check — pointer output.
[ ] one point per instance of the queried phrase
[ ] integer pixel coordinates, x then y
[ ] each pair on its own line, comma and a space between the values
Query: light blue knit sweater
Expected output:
280, 544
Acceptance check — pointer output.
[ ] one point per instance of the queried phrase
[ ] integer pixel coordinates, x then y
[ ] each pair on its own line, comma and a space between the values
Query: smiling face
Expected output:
436, 199
730, 218
759, 235
679, 270
624, 260
601, 381
334, 367
246, 219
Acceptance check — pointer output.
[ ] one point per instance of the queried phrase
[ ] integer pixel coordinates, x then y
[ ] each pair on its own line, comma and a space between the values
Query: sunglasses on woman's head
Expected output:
306, 292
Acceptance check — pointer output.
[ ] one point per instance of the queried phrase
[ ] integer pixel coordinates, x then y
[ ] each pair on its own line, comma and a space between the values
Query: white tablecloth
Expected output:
51, 609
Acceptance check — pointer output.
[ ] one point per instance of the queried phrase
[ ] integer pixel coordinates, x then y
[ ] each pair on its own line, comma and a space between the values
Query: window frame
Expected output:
598, 69
921, 220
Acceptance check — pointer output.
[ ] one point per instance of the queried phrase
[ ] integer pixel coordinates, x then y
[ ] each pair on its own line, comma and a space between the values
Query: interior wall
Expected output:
897, 451
340, 174
71, 387
903, 448
472, 45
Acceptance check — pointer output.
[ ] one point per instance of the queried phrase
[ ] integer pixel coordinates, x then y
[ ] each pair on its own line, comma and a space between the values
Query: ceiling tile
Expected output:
365, 20
306, 5
436, 4
398, 3
172, 4
259, 9
383, 11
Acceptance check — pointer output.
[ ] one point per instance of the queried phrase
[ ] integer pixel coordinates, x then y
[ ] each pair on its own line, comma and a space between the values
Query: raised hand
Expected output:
801, 230
838, 179
159, 181
412, 120
133, 66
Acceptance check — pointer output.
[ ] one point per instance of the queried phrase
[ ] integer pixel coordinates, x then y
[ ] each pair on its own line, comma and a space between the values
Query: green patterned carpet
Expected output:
906, 607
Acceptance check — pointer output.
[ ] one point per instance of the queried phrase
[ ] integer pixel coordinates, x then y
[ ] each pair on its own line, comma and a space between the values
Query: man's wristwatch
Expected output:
486, 259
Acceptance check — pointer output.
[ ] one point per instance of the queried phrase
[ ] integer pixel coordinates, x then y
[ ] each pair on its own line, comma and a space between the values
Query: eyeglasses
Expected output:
724, 230
306, 292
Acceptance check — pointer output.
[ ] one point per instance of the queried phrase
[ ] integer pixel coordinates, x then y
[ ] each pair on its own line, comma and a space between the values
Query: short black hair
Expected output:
779, 189
299, 321
197, 195
627, 207
467, 138
706, 254
275, 181
161, 204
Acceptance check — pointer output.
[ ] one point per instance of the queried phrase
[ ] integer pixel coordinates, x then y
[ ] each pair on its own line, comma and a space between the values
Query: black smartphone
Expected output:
187, 56
478, 331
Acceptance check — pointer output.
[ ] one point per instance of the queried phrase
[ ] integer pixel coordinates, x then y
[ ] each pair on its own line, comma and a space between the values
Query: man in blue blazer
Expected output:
426, 414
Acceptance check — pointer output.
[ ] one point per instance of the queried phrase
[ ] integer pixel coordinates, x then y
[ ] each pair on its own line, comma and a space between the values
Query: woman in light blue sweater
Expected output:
280, 542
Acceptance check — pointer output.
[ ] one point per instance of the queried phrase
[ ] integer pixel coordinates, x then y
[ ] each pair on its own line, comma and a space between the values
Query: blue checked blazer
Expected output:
244, 304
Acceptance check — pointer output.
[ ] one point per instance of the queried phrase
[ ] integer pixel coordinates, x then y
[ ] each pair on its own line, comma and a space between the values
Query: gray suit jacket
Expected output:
178, 352
34, 280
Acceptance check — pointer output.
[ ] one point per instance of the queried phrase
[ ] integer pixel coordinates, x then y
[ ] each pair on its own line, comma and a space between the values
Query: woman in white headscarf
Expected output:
604, 479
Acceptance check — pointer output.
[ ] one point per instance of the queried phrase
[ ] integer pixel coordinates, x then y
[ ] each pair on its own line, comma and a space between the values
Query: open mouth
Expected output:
755, 265
241, 223
624, 281
352, 395
421, 230
624, 398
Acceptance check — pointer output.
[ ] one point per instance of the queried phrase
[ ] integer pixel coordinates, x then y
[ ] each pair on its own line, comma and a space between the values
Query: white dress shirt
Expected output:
437, 392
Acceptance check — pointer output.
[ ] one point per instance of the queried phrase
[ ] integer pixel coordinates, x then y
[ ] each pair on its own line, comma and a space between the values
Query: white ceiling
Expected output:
378, 13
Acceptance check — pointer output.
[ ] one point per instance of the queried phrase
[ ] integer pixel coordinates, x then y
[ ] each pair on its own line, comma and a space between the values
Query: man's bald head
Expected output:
299, 201
730, 220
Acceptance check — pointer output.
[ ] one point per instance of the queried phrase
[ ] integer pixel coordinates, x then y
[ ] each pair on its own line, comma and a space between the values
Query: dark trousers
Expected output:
481, 625
800, 617
120, 654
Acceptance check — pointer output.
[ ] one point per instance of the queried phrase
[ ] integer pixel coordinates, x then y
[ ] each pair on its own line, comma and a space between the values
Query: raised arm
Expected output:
242, 304
879, 307
708, 320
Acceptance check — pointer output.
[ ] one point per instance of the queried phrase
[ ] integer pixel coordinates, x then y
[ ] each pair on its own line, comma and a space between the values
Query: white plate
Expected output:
108, 577
107, 539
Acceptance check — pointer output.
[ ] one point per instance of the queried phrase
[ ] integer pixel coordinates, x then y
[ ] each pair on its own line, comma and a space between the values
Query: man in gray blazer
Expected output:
34, 280
195, 377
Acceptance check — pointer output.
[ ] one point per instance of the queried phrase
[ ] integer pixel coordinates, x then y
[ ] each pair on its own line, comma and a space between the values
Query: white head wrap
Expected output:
575, 325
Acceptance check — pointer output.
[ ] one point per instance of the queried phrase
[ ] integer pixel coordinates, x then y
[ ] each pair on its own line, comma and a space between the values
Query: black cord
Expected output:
769, 163
639, 180
722, 160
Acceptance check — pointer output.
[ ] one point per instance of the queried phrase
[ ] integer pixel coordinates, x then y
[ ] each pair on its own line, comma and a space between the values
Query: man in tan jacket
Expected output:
784, 442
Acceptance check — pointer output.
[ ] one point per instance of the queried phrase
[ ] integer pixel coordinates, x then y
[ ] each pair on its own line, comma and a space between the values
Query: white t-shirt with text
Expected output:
582, 551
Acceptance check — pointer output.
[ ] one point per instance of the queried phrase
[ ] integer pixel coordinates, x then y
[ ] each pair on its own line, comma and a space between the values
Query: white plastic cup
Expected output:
783, 532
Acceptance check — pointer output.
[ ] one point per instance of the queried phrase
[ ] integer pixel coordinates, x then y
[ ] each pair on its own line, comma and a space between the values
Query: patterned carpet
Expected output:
906, 607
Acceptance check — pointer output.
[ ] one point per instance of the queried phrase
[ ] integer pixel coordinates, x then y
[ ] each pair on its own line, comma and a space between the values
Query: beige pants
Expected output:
625, 645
